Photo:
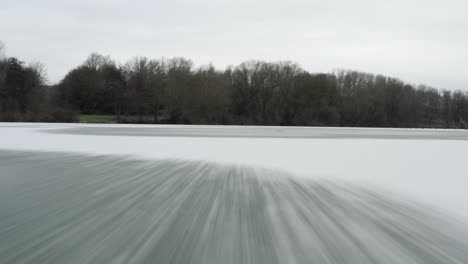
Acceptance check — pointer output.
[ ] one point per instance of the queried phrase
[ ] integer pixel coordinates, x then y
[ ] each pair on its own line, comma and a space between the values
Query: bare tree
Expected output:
2, 50
40, 72
178, 88
97, 61
145, 81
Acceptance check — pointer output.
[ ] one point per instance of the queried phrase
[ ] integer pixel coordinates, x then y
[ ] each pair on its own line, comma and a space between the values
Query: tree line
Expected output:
173, 91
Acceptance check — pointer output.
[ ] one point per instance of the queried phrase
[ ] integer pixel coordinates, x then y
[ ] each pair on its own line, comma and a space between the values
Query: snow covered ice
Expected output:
200, 194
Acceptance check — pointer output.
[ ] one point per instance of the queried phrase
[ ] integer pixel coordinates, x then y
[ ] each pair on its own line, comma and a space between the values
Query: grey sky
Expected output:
419, 41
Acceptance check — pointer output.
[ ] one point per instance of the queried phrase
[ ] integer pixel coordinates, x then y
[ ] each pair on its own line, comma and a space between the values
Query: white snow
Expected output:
432, 171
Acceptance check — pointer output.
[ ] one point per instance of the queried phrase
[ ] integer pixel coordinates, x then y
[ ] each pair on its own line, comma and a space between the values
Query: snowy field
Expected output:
74, 193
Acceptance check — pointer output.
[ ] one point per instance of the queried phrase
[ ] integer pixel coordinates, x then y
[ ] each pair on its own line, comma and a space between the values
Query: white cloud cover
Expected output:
417, 41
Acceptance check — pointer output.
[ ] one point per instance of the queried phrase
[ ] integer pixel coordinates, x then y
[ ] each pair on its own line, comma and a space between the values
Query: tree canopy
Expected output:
254, 93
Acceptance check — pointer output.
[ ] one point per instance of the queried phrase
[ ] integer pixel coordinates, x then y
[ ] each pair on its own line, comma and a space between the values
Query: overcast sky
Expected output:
419, 41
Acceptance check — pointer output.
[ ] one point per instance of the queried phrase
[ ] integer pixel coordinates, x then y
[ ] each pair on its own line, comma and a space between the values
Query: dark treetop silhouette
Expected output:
254, 93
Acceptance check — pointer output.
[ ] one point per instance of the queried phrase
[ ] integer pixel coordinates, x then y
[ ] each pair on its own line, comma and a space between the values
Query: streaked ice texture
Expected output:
425, 165
69, 208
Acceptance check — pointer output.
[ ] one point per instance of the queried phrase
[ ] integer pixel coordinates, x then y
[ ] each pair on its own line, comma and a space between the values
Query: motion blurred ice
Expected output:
194, 194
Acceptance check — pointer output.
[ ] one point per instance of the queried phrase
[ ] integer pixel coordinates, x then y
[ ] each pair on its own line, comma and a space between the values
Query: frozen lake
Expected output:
267, 132
201, 194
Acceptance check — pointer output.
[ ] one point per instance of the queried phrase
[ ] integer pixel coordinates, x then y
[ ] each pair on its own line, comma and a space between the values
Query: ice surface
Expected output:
426, 165
65, 208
